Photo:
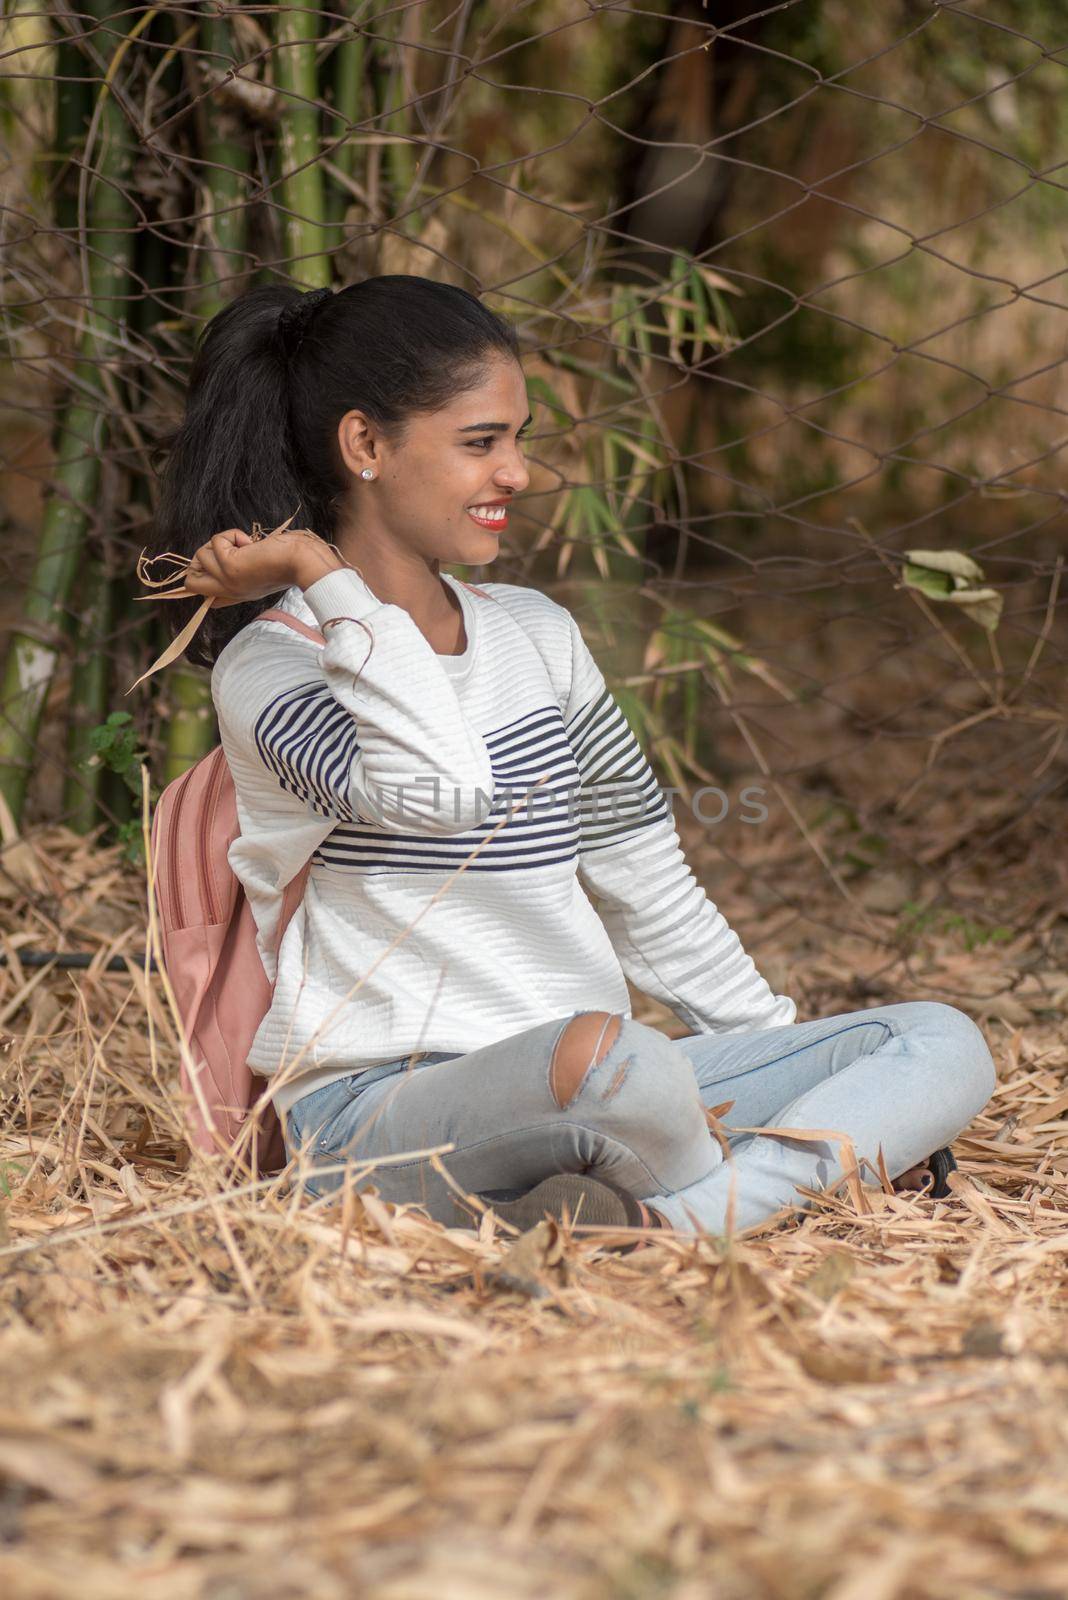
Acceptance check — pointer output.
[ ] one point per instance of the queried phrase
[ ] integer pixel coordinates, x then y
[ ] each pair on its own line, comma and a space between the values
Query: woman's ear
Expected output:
356, 441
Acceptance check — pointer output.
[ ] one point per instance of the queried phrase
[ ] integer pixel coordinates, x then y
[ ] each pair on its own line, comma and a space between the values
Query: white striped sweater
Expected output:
392, 767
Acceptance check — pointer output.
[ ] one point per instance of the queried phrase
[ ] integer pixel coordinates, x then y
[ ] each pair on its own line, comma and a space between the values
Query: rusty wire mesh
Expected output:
208, 1388
790, 286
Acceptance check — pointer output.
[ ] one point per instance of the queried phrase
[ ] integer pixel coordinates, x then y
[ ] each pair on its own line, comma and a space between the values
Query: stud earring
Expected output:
367, 473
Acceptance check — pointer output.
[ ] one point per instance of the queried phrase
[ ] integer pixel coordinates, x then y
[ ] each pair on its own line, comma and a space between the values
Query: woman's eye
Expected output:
477, 444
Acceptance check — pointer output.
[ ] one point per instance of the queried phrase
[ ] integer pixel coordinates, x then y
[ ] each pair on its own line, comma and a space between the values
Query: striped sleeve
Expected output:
308, 741
366, 728
619, 796
670, 939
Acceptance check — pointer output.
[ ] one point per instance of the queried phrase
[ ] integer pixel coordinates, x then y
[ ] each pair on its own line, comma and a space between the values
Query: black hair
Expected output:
258, 441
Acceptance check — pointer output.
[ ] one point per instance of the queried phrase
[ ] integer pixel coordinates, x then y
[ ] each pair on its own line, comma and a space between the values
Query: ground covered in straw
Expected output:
213, 1393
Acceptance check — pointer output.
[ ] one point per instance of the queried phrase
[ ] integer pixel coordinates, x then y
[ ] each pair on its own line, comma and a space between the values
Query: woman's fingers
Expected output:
202, 582
223, 548
211, 559
234, 567
206, 574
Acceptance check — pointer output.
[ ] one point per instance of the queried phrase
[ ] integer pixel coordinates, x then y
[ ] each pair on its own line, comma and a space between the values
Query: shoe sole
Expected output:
589, 1202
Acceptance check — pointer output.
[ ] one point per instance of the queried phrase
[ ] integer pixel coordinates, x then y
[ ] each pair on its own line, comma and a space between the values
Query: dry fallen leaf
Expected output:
180, 564
1006, 1008
533, 1263
177, 644
843, 1364
832, 1275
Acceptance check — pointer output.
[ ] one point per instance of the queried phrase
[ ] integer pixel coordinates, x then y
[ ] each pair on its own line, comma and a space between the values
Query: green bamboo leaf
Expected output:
634, 449
667, 750
983, 606
587, 369
715, 280
624, 315
587, 518
611, 464
935, 585
951, 576
691, 690
538, 389
675, 307
961, 568
703, 314
635, 710
642, 330
724, 329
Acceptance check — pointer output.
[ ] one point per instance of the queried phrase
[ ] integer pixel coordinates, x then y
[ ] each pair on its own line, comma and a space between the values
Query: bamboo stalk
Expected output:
88, 696
118, 802
81, 790
304, 220
349, 62
72, 106
100, 633
400, 156
224, 141
38, 639
191, 723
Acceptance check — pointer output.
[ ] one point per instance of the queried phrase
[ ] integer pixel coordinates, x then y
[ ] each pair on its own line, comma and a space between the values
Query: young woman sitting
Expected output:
463, 781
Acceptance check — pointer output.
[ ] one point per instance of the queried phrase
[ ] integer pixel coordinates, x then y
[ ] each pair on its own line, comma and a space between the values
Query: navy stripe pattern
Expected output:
541, 828
620, 795
308, 740
597, 787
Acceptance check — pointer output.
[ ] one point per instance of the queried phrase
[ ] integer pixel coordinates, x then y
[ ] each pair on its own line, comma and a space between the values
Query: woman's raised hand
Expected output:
233, 567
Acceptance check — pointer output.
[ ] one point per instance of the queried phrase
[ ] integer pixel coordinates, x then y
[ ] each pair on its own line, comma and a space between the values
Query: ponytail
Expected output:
272, 376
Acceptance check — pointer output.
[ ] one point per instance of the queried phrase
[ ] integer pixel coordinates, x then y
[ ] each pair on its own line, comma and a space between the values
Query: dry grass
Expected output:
212, 1393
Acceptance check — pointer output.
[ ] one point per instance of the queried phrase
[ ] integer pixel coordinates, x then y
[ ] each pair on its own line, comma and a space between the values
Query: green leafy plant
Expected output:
114, 745
623, 467
684, 654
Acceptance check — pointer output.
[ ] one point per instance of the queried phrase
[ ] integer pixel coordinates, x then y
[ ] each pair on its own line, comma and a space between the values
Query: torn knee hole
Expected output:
585, 1041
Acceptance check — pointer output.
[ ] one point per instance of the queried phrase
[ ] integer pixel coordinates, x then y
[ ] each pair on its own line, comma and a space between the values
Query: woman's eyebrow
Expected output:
490, 427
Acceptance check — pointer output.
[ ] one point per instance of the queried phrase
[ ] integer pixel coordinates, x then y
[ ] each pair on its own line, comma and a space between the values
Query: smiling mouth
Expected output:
489, 516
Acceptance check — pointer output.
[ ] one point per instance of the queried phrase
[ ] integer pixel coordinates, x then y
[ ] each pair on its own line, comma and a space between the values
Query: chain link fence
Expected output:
790, 285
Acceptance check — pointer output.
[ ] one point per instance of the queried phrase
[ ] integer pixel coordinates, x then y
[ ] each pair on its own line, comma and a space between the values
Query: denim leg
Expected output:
904, 1078
636, 1118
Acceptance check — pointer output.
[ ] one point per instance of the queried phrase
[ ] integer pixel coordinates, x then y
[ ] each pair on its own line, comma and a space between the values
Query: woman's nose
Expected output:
513, 475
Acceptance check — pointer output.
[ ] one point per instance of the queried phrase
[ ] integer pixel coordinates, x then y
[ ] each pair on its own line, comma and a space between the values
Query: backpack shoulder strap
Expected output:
274, 615
474, 589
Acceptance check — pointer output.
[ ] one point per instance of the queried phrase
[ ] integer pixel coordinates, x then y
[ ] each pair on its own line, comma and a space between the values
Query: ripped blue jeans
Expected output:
900, 1079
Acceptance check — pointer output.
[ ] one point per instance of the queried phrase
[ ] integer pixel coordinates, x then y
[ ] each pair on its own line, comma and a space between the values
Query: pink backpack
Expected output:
207, 934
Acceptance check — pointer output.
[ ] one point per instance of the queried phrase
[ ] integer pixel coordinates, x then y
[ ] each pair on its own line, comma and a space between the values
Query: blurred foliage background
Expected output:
790, 284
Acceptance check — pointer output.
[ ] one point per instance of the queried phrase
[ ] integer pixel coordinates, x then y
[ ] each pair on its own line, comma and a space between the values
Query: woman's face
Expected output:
434, 493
